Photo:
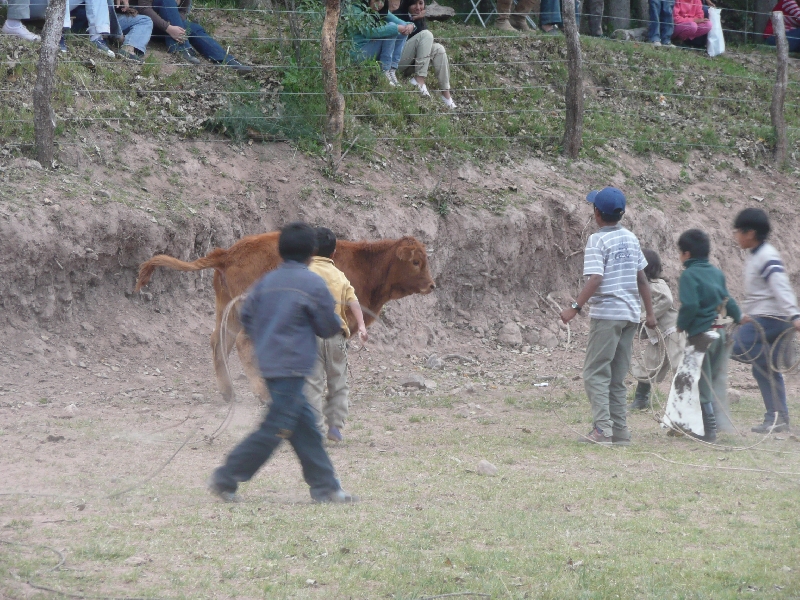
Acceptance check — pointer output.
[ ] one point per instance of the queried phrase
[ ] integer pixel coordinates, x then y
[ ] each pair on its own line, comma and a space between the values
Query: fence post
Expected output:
573, 128
779, 91
44, 119
333, 99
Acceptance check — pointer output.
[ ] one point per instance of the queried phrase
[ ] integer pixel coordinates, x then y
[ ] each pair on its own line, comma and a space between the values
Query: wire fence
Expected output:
659, 104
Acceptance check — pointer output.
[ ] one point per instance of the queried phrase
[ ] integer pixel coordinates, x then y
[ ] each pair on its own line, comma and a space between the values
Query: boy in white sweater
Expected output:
771, 303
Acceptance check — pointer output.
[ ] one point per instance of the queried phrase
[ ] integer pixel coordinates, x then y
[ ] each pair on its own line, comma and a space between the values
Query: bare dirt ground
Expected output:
100, 387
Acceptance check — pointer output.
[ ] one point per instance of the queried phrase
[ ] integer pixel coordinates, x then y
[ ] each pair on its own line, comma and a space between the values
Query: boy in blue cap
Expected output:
614, 266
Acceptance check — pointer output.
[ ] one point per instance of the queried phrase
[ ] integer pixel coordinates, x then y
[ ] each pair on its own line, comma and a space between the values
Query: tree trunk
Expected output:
44, 119
333, 99
619, 12
573, 128
779, 91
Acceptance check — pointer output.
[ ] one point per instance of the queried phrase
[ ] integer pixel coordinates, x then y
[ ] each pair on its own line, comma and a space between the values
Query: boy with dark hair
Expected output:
770, 303
614, 265
282, 314
705, 301
331, 363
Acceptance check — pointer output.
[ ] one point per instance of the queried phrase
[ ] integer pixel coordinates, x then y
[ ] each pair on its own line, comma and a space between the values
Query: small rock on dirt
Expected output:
486, 468
87, 327
470, 388
55, 438
437, 12
135, 561
413, 380
510, 334
70, 411
26, 163
734, 396
463, 413
434, 362
430, 384
198, 397
548, 339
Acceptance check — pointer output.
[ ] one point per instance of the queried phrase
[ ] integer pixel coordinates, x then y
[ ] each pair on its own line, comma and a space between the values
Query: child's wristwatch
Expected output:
576, 306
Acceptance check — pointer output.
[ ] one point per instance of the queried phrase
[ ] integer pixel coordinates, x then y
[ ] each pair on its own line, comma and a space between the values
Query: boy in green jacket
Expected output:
704, 299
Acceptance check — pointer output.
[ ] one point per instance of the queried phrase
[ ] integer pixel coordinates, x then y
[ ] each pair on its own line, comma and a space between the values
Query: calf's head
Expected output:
408, 273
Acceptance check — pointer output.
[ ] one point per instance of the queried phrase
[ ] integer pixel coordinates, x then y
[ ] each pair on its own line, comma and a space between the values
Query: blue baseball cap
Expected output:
609, 200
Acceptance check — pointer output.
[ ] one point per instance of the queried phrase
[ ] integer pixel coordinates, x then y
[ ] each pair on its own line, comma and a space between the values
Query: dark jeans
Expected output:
196, 36
289, 418
792, 37
749, 346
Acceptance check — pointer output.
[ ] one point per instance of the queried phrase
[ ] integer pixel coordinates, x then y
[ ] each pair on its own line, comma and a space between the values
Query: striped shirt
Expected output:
614, 253
767, 288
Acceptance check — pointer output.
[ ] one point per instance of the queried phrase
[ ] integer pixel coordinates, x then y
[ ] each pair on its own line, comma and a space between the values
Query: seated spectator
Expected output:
127, 26
18, 11
791, 20
183, 37
97, 21
420, 51
690, 21
383, 40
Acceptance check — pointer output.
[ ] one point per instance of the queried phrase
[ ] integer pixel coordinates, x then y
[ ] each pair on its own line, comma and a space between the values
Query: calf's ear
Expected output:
405, 253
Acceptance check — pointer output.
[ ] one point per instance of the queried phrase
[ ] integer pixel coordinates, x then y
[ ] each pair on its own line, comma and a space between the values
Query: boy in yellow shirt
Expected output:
332, 352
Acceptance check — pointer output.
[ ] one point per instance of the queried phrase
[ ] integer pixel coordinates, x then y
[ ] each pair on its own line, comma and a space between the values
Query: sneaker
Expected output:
337, 497
103, 48
620, 441
393, 76
657, 43
667, 44
237, 66
554, 30
334, 434
448, 102
596, 437
224, 495
21, 32
130, 56
187, 56
390, 77
423, 91
781, 425
62, 45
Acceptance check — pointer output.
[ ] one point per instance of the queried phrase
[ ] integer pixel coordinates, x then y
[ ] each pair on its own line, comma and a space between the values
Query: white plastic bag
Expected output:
716, 42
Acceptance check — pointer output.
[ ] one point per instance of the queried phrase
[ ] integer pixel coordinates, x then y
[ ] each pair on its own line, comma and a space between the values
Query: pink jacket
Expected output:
688, 10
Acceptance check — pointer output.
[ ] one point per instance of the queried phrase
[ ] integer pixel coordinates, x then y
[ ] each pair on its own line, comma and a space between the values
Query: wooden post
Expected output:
779, 91
333, 99
573, 129
44, 119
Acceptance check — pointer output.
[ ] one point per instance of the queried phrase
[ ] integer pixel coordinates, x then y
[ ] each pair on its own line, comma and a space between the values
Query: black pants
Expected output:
289, 418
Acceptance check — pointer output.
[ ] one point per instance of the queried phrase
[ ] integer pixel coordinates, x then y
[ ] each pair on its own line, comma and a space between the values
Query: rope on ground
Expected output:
84, 596
61, 557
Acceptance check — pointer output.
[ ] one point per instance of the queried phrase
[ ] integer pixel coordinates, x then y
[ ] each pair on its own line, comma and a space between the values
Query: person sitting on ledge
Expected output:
791, 20
183, 37
690, 21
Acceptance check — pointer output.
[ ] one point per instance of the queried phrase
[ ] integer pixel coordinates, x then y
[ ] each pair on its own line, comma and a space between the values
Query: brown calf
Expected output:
379, 271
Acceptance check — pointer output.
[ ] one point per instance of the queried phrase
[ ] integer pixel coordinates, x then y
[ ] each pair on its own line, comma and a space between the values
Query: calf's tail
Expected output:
214, 260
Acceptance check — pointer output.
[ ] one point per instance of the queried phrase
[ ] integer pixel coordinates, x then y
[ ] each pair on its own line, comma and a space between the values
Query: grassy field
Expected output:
664, 518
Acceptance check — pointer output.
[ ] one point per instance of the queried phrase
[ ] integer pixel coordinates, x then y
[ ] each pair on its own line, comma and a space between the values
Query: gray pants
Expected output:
19, 10
417, 55
608, 357
331, 367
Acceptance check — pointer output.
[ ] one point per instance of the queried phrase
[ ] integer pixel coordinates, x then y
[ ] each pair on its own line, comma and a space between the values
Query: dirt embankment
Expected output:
72, 239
